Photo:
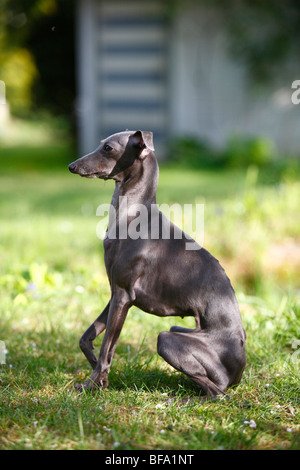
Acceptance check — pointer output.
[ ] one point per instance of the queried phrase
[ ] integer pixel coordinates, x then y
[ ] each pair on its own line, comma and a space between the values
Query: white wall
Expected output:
210, 93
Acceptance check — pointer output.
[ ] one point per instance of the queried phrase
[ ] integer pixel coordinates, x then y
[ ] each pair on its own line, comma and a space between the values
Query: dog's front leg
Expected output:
86, 340
118, 308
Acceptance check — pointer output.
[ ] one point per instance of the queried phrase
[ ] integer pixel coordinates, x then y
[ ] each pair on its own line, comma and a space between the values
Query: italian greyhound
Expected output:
160, 276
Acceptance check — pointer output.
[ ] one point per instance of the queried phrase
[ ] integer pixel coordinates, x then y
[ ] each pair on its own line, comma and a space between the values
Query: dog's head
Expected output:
114, 155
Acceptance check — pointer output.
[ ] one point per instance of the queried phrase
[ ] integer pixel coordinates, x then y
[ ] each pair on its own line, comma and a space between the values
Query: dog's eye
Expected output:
107, 148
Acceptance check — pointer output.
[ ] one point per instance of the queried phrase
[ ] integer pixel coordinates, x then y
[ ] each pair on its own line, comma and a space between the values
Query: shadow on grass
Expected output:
37, 360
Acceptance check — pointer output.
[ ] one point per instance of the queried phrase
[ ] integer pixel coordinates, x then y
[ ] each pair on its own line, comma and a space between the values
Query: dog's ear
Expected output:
144, 140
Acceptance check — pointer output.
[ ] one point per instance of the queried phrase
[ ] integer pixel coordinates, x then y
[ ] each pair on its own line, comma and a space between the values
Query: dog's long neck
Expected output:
138, 183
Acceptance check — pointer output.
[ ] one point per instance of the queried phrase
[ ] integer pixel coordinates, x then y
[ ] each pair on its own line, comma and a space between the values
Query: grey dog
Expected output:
160, 276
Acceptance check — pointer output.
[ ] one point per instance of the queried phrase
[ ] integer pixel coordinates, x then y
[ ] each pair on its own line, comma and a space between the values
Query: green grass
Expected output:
53, 285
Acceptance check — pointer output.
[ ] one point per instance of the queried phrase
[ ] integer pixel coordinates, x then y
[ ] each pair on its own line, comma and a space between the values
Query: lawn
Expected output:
53, 285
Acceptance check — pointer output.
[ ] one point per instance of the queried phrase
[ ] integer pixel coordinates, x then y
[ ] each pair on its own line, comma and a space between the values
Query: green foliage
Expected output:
248, 151
37, 55
17, 65
239, 151
192, 152
18, 71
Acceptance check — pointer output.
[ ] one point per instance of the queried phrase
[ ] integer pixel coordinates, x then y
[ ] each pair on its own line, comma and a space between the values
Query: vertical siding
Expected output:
132, 67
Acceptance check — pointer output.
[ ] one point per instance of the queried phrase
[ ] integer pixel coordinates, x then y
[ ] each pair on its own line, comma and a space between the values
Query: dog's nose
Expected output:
72, 167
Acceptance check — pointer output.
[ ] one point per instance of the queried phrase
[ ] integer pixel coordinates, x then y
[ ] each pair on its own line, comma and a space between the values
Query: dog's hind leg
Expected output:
190, 353
180, 329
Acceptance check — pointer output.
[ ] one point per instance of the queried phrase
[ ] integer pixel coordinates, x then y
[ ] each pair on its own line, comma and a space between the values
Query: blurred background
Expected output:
211, 79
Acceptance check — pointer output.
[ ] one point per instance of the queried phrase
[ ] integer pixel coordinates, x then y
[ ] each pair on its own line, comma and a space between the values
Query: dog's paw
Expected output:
84, 387
92, 385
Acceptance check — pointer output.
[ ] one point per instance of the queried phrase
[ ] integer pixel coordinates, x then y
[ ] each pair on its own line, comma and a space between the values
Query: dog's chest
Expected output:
118, 262
110, 246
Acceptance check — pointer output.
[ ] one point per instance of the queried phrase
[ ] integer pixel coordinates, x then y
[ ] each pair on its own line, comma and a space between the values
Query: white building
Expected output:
142, 67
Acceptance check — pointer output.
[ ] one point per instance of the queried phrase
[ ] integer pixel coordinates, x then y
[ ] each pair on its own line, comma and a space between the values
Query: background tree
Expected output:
37, 54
